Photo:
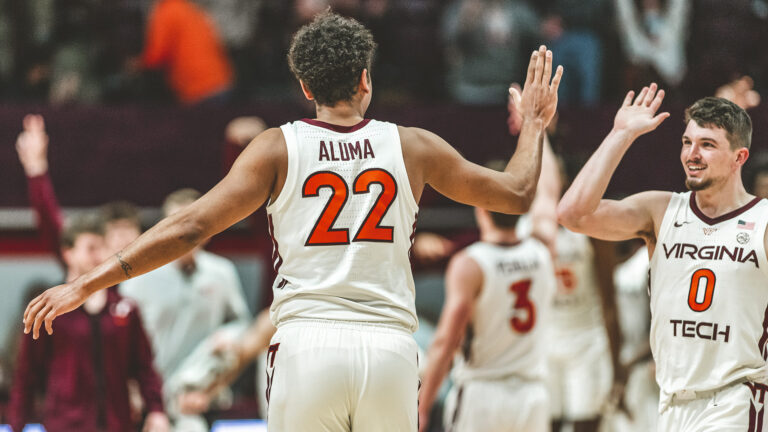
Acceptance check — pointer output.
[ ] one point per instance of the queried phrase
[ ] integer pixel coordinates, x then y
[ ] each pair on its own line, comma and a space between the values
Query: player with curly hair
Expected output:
342, 195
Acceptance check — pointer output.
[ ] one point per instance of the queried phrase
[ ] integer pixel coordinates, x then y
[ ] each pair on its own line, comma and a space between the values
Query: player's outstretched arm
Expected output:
582, 208
510, 191
463, 281
242, 191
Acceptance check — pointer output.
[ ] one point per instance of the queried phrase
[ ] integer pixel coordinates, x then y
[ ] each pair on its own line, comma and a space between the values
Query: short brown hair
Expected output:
83, 223
120, 210
329, 54
180, 197
714, 111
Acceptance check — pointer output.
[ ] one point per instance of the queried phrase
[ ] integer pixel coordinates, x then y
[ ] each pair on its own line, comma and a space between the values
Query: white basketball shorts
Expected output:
509, 405
339, 376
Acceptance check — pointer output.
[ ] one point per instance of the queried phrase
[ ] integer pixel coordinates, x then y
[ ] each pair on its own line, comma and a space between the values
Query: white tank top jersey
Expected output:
631, 281
507, 334
343, 226
577, 305
709, 298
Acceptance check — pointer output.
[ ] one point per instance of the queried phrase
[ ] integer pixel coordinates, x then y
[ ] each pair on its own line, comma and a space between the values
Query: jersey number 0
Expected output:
323, 233
705, 277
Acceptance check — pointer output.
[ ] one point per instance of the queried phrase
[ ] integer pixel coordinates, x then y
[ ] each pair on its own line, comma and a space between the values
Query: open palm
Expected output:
538, 99
639, 117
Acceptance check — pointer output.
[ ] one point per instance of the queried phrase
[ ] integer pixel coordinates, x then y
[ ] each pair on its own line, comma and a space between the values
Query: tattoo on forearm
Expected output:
127, 269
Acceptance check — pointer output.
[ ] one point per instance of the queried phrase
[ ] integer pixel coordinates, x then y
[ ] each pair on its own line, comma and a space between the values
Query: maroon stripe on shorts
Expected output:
764, 338
455, 418
758, 400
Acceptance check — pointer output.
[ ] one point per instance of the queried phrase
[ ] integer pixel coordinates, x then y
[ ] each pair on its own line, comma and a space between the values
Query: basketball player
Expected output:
709, 270
343, 194
582, 329
498, 293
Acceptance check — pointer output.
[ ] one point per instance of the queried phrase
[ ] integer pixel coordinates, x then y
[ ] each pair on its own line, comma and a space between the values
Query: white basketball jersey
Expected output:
577, 305
631, 281
343, 226
709, 297
506, 336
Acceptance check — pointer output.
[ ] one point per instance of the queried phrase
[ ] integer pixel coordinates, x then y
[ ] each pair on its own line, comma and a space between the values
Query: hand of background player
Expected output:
538, 100
639, 117
32, 146
50, 304
616, 398
156, 422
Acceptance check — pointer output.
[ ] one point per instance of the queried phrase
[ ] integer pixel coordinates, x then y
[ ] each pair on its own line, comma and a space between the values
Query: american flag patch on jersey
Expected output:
745, 225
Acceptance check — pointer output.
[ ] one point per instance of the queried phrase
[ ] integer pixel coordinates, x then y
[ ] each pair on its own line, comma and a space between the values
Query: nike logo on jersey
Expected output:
679, 224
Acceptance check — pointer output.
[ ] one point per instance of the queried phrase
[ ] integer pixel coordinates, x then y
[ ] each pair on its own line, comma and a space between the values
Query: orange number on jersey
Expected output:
566, 278
371, 231
709, 290
521, 290
323, 232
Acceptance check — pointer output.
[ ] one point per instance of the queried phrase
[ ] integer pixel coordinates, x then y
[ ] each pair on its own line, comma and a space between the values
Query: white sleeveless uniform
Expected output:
709, 305
343, 357
579, 356
499, 377
641, 396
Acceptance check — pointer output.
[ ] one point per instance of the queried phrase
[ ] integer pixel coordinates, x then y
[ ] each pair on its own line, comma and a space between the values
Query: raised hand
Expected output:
32, 146
50, 304
639, 117
538, 100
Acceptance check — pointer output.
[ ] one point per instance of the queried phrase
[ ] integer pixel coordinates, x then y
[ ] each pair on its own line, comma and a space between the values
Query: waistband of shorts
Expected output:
381, 327
682, 396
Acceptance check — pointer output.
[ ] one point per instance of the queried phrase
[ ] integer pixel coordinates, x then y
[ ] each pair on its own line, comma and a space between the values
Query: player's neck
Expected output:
722, 199
341, 114
499, 236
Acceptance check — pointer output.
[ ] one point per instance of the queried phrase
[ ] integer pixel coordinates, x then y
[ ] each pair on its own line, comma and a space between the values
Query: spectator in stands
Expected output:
121, 224
237, 22
486, 43
654, 37
120, 220
573, 30
84, 370
183, 41
725, 38
185, 304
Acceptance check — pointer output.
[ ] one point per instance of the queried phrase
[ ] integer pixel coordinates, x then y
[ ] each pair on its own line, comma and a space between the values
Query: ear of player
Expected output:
538, 100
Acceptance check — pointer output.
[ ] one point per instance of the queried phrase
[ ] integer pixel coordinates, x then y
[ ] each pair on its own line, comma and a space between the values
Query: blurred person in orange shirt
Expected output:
182, 40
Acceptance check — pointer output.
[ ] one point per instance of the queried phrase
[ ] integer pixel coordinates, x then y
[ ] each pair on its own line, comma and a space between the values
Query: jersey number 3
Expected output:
523, 303
323, 233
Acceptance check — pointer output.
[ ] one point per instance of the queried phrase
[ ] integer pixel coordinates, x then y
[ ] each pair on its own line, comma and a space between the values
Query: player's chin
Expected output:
697, 184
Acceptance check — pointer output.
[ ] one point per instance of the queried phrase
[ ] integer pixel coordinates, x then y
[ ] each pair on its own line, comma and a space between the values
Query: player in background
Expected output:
642, 394
498, 293
584, 353
343, 193
709, 270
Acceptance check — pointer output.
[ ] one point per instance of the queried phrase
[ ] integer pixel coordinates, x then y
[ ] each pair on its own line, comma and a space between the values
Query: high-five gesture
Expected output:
639, 117
539, 97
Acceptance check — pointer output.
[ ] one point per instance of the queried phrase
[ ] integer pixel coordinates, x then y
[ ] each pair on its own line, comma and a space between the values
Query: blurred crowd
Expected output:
215, 51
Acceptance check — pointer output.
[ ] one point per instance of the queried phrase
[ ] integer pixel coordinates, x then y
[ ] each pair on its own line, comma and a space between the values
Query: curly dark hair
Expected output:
714, 111
329, 54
